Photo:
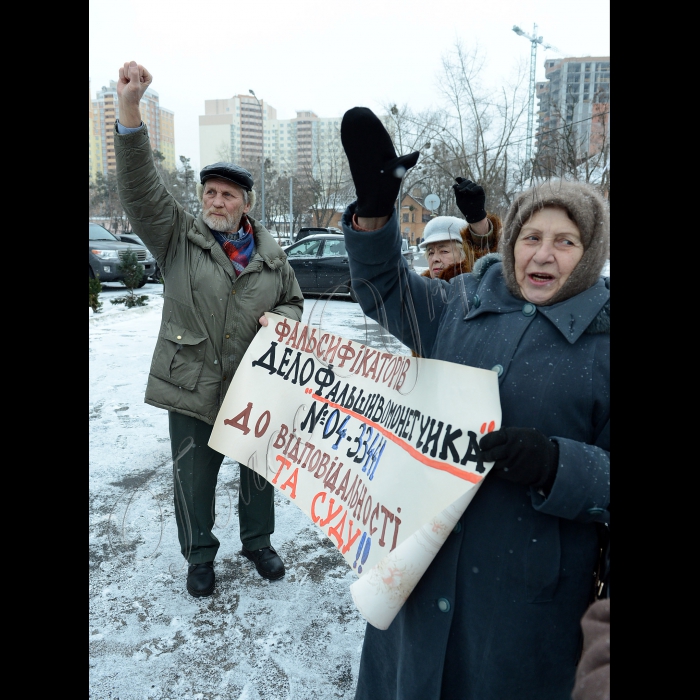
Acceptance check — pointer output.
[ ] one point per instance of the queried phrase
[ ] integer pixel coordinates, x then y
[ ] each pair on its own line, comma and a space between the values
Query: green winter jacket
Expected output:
209, 316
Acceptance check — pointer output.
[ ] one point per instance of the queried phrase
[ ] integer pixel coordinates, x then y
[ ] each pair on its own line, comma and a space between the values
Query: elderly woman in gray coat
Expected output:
496, 616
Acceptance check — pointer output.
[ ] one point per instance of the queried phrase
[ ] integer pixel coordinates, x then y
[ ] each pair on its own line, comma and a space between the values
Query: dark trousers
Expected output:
195, 471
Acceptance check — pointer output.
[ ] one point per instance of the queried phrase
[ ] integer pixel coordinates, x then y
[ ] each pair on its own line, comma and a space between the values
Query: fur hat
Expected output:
587, 209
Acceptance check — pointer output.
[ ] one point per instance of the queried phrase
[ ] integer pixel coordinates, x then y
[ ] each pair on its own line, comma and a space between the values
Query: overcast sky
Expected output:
324, 55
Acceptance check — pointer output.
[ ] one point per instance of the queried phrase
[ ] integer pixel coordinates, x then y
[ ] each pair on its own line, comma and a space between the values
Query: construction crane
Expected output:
534, 40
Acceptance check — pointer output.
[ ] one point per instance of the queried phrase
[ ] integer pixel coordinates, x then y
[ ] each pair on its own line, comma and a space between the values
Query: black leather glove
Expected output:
376, 170
522, 455
470, 199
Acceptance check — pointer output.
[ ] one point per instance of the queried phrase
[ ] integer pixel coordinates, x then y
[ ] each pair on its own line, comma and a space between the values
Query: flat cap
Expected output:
228, 171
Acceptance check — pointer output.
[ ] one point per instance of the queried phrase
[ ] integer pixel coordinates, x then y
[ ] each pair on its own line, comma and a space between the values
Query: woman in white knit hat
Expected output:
452, 245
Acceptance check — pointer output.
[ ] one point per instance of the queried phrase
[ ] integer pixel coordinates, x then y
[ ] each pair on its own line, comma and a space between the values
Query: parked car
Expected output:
131, 237
105, 250
320, 264
305, 231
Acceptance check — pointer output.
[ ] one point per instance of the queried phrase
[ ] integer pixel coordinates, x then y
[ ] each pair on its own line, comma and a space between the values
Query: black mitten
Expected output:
376, 170
470, 199
522, 455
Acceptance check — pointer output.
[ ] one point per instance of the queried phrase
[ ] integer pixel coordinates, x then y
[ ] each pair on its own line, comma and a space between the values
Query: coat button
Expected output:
227, 335
529, 309
443, 605
596, 511
233, 291
498, 369
179, 337
477, 301
457, 528
224, 377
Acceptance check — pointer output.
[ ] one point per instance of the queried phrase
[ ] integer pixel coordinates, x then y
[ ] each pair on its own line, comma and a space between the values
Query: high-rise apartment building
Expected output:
574, 105
234, 130
167, 137
105, 111
307, 145
94, 142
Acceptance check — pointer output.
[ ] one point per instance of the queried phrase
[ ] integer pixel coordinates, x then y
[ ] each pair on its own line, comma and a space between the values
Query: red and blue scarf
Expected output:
241, 250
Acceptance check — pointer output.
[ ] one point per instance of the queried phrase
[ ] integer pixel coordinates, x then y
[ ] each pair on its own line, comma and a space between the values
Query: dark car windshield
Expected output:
98, 233
304, 249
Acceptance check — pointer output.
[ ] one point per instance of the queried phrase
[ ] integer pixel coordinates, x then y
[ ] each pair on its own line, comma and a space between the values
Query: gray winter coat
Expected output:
210, 316
496, 616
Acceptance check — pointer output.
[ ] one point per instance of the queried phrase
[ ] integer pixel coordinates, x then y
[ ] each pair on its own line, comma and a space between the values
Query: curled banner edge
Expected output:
378, 605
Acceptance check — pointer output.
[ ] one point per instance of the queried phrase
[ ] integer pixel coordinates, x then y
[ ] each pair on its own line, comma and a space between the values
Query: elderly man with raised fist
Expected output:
222, 272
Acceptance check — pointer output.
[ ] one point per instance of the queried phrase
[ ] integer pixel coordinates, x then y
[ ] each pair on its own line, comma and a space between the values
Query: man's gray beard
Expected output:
223, 225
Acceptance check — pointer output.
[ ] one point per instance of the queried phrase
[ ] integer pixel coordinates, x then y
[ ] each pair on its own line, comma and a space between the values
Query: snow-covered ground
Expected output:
296, 638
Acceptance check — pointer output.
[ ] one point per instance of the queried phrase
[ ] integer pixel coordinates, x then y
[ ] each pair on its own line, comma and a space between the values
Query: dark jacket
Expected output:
517, 572
210, 316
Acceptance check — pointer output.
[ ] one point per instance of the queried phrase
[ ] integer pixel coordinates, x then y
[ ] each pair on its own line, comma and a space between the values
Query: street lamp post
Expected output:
534, 40
262, 126
291, 210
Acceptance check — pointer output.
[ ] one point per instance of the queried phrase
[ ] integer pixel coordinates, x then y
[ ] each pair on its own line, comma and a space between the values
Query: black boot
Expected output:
266, 561
200, 579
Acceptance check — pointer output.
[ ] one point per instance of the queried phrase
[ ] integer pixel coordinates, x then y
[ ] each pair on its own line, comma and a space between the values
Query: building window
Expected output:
405, 218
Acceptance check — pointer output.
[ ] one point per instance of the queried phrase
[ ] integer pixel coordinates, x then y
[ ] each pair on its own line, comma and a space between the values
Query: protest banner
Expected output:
363, 443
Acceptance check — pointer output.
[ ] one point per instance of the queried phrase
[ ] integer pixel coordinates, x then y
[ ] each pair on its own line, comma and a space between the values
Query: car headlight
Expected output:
106, 254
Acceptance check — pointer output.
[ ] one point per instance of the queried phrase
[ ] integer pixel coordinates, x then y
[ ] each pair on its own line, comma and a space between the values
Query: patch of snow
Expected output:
299, 637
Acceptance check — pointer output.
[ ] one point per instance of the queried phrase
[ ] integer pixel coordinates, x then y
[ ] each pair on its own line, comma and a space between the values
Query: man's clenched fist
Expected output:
133, 82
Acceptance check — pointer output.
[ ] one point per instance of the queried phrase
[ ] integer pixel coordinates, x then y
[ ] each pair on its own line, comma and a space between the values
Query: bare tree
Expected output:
411, 132
327, 178
576, 149
105, 203
477, 133
104, 195
276, 200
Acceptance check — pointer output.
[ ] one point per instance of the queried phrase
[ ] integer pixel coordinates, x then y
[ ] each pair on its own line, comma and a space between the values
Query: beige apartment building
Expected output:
104, 113
232, 130
94, 142
240, 130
